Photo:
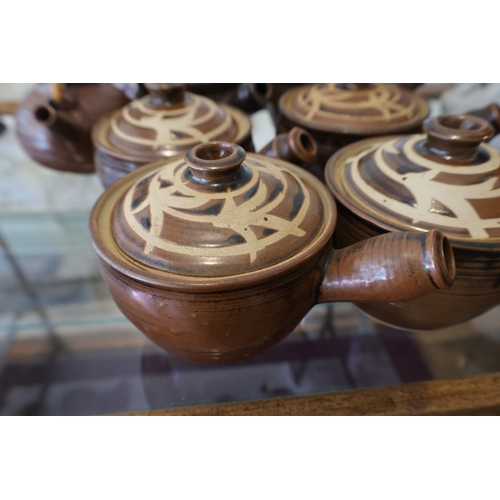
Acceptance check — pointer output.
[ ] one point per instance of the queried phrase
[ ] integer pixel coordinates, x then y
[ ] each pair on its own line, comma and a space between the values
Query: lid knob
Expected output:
214, 162
161, 93
456, 136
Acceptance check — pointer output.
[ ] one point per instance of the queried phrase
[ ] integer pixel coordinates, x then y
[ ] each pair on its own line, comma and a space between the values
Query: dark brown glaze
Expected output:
249, 97
339, 114
373, 270
216, 91
297, 147
490, 113
409, 86
54, 123
165, 123
447, 179
278, 90
232, 298
476, 288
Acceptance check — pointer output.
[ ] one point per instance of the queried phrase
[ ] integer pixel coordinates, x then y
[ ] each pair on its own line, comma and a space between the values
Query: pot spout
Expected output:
296, 146
60, 122
391, 267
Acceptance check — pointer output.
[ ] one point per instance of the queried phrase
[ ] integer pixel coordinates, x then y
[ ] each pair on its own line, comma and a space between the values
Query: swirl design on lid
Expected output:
464, 201
379, 105
264, 209
176, 127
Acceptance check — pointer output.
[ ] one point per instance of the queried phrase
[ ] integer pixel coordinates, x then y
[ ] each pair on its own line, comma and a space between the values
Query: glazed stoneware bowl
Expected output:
448, 179
337, 114
54, 123
218, 255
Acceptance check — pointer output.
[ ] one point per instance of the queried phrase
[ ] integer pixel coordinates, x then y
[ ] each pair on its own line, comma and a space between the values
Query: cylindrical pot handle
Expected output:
391, 267
297, 146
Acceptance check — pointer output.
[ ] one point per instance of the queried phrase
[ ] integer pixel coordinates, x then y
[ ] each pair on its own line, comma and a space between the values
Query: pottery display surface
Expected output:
54, 124
339, 114
66, 348
165, 123
448, 179
218, 256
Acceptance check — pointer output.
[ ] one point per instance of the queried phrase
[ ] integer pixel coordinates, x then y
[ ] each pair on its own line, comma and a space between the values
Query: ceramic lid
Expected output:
354, 108
447, 178
216, 212
166, 122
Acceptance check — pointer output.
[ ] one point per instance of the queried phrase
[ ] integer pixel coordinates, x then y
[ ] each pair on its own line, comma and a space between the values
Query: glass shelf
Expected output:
65, 348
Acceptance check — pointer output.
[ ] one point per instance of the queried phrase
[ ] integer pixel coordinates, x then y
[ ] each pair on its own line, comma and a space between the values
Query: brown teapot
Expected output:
337, 114
448, 179
219, 255
168, 121
54, 122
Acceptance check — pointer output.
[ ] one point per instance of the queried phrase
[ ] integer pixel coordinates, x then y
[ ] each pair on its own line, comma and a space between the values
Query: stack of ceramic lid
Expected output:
339, 114
448, 179
165, 123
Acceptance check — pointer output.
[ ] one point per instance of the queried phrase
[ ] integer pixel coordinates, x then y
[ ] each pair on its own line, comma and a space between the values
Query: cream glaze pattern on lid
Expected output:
361, 109
176, 127
392, 182
262, 215
147, 129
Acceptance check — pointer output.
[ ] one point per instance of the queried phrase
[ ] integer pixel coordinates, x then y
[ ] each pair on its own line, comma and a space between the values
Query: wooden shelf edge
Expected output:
478, 395
8, 107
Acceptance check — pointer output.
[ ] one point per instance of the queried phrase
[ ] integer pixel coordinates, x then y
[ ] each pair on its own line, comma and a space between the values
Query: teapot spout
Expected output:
58, 121
391, 267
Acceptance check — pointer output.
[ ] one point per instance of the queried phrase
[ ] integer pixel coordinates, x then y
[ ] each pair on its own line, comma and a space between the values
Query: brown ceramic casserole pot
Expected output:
54, 122
219, 255
164, 123
337, 114
448, 179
